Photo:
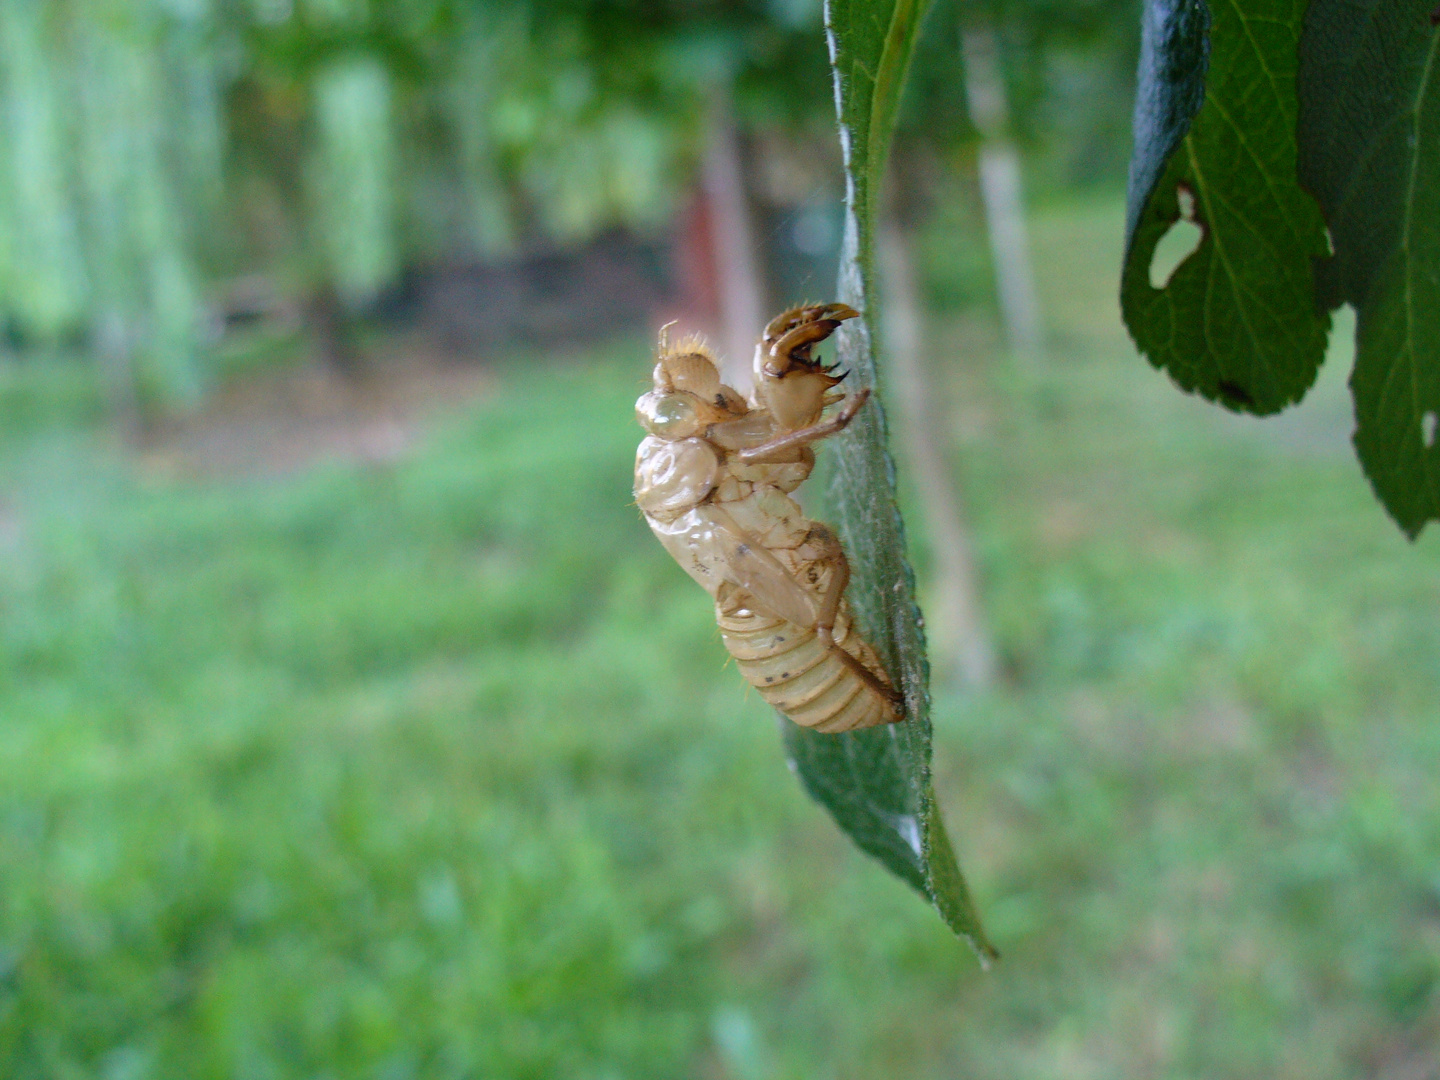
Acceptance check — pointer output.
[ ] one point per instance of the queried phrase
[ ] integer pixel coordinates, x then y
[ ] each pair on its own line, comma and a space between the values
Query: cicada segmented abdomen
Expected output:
799, 676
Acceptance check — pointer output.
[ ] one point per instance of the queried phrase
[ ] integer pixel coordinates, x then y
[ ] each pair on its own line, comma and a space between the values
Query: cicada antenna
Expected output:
665, 336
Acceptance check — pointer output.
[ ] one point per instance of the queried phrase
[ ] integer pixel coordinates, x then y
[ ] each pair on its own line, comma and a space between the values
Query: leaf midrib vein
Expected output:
1407, 270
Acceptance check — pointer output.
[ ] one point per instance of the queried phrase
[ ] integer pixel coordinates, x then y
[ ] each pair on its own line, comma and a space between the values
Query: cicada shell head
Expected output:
689, 367
790, 383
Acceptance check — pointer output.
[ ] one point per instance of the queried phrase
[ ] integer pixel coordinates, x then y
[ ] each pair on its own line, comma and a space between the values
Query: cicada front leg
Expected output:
796, 331
792, 440
791, 384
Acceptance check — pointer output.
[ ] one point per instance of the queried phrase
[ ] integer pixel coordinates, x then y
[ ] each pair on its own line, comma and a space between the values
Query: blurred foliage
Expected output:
152, 150
44, 276
1069, 70
112, 120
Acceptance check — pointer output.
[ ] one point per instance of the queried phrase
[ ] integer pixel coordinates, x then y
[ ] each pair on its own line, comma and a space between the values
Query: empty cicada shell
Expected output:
713, 478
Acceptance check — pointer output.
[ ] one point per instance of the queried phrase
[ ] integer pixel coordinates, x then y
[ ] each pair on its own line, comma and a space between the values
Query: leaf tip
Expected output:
987, 954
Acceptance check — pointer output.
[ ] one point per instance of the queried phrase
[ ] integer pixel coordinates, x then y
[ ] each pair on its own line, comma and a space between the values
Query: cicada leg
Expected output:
787, 321
804, 436
792, 334
829, 550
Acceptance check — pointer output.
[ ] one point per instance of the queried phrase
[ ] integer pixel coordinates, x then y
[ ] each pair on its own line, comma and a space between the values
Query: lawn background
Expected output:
429, 765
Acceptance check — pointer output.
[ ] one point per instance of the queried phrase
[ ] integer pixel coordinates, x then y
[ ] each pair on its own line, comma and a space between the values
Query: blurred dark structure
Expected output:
156, 152
616, 284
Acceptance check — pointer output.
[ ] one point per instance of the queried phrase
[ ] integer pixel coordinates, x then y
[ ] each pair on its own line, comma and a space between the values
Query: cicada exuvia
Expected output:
713, 477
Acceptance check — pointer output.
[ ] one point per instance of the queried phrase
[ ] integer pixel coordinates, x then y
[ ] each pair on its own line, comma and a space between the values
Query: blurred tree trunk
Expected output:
46, 290
333, 333
737, 271
1001, 190
956, 619
353, 174
145, 306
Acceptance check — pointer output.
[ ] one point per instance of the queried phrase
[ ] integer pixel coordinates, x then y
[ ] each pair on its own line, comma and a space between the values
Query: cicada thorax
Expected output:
796, 674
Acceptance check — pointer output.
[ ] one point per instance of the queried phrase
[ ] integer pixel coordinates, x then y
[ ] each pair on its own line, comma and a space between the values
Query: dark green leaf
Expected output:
1369, 140
876, 783
1175, 46
1215, 125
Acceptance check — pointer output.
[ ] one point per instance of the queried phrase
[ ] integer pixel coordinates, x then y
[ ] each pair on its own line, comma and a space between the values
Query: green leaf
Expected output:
1369, 140
1215, 120
876, 783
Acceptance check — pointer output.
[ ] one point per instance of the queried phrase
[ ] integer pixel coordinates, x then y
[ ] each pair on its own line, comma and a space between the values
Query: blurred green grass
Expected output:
433, 769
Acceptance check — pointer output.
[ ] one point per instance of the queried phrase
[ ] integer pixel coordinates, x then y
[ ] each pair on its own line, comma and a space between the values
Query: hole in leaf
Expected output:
1427, 428
1185, 199
1179, 241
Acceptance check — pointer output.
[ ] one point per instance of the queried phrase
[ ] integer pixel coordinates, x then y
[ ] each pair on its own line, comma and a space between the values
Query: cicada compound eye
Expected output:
693, 371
